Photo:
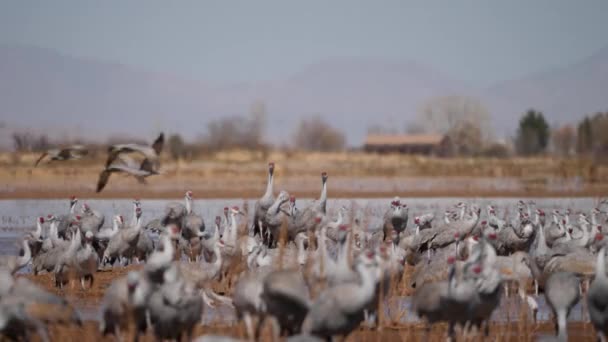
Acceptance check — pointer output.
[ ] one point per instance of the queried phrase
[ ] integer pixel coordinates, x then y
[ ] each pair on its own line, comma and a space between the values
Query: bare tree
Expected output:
464, 119
177, 147
238, 131
315, 134
29, 142
564, 140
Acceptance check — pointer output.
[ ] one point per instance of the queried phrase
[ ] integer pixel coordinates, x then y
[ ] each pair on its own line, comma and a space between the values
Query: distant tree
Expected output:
532, 134
28, 142
315, 134
466, 139
464, 119
564, 140
584, 138
238, 131
177, 147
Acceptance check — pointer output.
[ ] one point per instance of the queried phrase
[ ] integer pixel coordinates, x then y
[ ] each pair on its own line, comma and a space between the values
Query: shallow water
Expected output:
19, 216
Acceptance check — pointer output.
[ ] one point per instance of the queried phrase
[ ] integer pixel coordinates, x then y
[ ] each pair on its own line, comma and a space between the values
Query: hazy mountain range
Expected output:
41, 89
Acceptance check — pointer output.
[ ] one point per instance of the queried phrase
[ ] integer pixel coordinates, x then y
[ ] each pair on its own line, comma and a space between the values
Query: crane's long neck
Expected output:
302, 255
75, 243
344, 251
168, 250
323, 196
233, 229
53, 234
134, 219
269, 185
218, 257
188, 205
541, 246
73, 208
27, 254
463, 210
323, 249
38, 232
585, 229
366, 290
593, 218
600, 265
115, 225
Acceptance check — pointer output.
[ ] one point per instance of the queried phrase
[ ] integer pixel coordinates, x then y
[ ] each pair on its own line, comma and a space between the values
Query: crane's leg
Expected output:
249, 326
258, 328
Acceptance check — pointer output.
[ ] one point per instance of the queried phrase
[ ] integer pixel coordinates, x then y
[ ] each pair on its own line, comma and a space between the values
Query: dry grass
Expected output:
352, 174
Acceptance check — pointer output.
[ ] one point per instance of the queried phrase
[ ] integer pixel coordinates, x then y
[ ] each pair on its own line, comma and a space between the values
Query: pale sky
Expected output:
480, 42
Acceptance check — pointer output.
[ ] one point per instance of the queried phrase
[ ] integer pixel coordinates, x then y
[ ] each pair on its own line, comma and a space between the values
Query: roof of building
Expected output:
403, 139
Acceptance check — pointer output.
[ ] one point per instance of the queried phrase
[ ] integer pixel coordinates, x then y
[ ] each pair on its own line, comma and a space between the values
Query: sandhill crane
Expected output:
175, 307
86, 261
73, 152
16, 324
340, 309
125, 164
136, 205
123, 242
430, 298
65, 220
395, 218
91, 220
65, 262
247, 298
150, 153
262, 206
199, 273
562, 293
144, 247
161, 259
319, 207
37, 302
424, 221
125, 299
462, 296
13, 263
52, 251
301, 221
173, 215
332, 226
597, 297
275, 217
192, 224
37, 233
287, 299
104, 235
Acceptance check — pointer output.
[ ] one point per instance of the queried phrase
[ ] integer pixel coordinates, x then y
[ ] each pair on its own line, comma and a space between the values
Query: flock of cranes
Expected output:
119, 159
311, 274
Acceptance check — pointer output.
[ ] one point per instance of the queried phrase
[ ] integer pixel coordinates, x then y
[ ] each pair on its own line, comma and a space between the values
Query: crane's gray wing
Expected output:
130, 170
77, 151
104, 176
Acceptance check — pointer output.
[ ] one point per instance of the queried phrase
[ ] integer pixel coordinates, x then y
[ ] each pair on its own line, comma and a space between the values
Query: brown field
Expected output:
352, 174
